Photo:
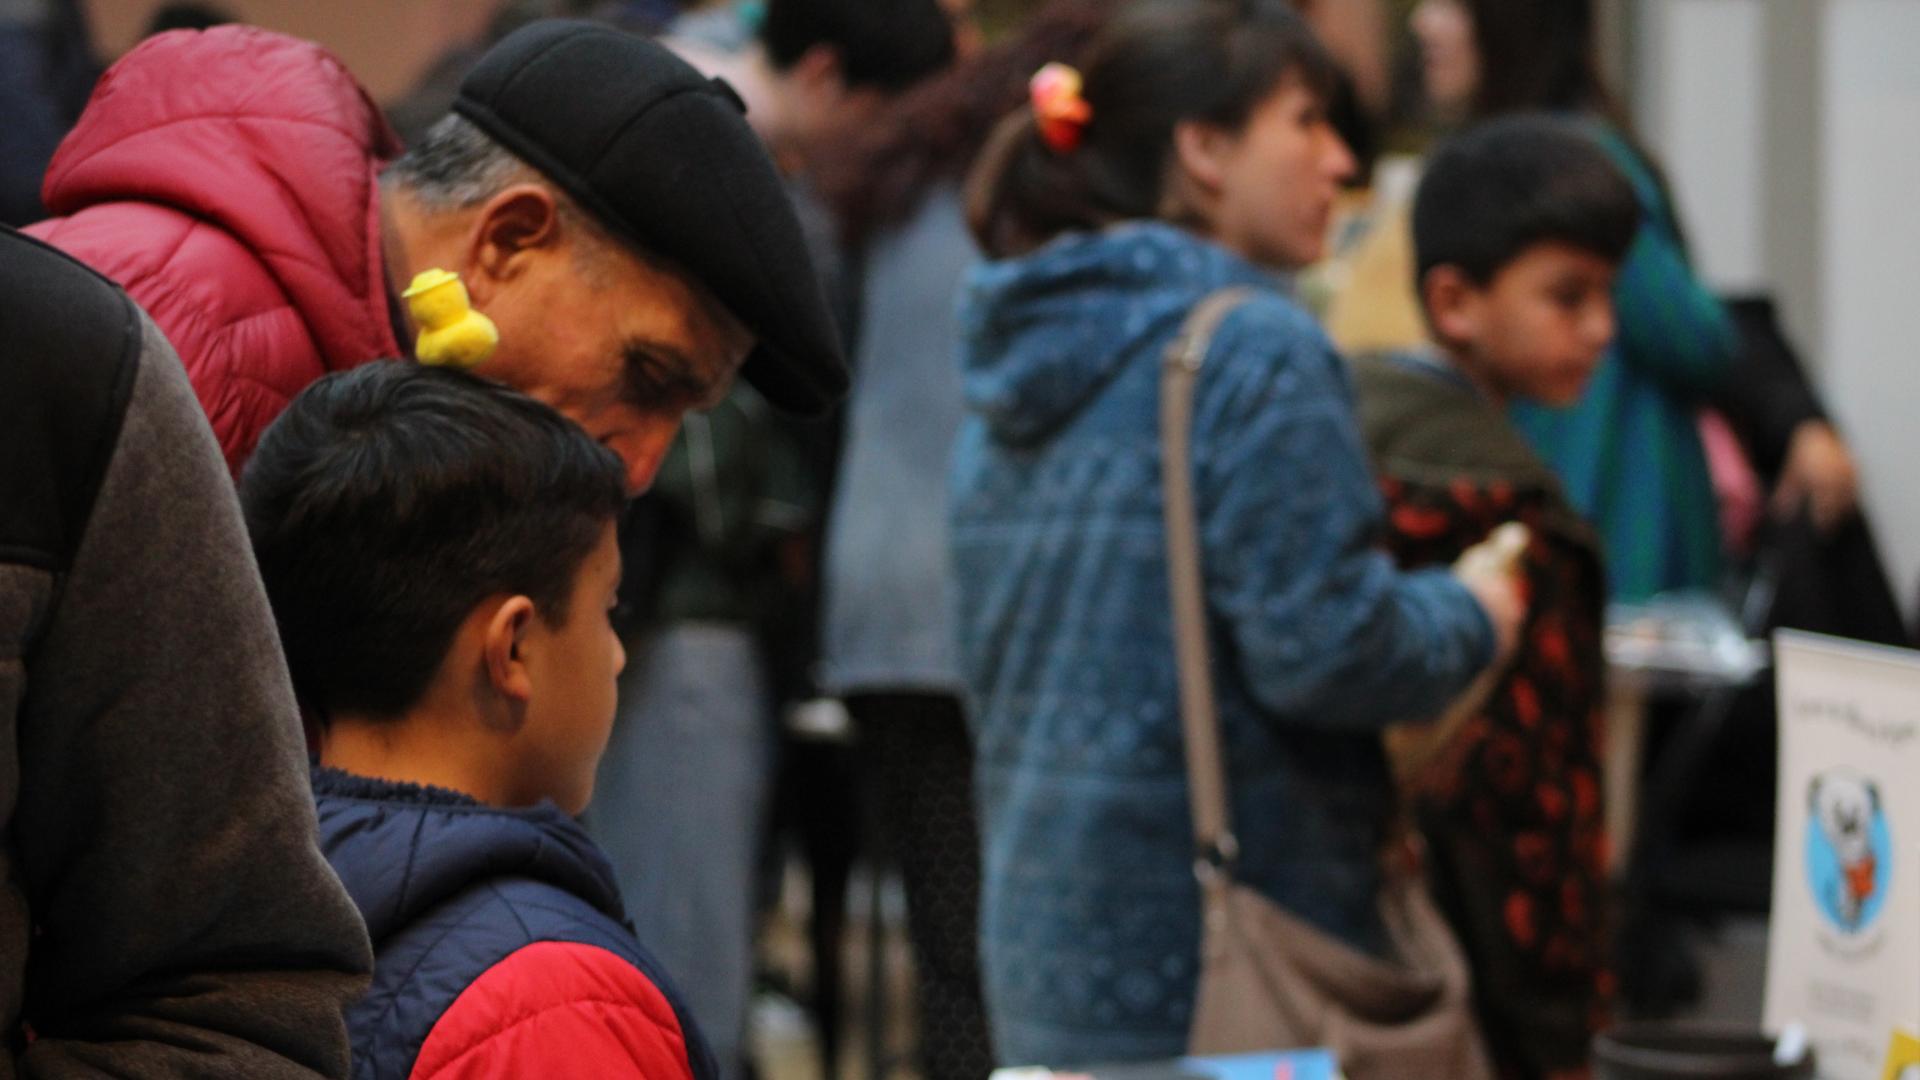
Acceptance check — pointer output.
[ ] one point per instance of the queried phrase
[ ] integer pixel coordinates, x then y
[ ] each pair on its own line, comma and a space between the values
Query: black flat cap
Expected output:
663, 157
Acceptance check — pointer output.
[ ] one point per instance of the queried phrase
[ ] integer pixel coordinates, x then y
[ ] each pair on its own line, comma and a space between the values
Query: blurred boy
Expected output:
1519, 226
440, 556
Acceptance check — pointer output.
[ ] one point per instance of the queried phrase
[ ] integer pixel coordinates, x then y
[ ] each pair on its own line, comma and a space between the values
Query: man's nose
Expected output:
642, 449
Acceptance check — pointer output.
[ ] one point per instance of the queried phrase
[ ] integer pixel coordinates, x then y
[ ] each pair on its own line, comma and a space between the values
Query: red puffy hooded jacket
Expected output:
228, 180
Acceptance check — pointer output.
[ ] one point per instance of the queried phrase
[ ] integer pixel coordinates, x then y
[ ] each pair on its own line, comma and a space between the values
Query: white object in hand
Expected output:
1791, 1047
1499, 553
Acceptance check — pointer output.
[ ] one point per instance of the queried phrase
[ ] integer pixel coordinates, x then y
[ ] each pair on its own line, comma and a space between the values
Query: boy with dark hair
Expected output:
1519, 226
440, 556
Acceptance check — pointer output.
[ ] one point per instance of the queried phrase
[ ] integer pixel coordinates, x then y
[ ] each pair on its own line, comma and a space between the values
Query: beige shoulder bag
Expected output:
1268, 979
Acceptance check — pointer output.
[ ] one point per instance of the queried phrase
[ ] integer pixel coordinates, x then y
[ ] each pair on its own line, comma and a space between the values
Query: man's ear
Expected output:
503, 649
1452, 303
517, 222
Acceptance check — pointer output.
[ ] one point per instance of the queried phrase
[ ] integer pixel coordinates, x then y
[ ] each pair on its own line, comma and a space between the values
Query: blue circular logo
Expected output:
1849, 856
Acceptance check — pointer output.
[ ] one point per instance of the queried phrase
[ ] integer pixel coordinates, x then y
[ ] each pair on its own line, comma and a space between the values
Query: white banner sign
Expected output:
1844, 947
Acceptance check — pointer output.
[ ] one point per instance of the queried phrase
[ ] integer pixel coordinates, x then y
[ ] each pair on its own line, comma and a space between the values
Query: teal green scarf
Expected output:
1629, 452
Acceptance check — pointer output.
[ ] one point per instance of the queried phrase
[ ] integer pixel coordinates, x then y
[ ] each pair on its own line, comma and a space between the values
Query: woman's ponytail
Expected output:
1158, 64
1028, 185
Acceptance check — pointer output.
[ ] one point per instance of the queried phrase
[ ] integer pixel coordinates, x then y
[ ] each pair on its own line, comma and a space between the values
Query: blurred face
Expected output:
1537, 330
1275, 181
1449, 60
968, 38
573, 667
812, 106
621, 347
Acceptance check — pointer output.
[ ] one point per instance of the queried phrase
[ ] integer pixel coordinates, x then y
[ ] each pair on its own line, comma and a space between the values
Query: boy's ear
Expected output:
1452, 304
503, 649
819, 69
508, 228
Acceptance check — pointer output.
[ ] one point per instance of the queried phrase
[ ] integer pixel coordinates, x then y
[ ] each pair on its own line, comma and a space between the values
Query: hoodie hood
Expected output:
401, 849
265, 136
1040, 335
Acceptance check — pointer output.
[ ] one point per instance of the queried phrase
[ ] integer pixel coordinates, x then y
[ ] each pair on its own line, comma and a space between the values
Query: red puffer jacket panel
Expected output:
228, 180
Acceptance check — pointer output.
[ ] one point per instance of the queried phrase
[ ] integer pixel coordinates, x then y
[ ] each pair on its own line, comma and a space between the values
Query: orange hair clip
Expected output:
1059, 111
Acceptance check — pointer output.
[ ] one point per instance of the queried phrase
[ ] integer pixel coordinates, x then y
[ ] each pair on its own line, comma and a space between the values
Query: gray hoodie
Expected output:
164, 909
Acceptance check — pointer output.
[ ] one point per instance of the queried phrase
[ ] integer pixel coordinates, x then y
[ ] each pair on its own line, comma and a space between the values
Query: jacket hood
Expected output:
401, 849
1040, 335
265, 136
1425, 423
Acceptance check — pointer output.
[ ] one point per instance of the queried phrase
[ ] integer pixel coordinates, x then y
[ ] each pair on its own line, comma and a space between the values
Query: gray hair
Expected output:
455, 166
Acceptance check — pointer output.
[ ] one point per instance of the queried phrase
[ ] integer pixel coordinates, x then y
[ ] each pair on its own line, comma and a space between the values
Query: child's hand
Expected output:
1491, 572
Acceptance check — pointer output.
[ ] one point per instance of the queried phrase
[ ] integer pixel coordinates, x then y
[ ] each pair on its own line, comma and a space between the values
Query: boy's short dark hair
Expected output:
388, 501
1500, 187
887, 44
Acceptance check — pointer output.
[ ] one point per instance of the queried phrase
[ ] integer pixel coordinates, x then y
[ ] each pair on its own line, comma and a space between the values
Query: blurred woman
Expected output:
887, 642
1197, 156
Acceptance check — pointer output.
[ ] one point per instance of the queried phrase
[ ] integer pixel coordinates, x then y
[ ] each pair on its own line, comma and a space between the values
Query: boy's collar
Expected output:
328, 780
1440, 363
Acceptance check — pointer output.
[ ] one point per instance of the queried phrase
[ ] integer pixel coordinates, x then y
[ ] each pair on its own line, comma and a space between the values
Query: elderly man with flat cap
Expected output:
604, 204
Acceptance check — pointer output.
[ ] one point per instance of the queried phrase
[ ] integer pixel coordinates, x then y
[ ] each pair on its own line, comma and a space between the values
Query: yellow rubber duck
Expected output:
451, 332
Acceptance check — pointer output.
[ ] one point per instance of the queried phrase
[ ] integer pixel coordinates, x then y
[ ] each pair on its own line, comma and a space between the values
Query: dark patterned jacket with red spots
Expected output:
1511, 806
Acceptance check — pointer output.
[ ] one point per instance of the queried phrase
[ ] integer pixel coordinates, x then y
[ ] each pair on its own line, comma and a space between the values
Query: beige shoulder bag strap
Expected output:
1268, 978
1215, 848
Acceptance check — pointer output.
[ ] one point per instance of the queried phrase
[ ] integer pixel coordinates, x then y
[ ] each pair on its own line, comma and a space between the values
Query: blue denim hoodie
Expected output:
1090, 912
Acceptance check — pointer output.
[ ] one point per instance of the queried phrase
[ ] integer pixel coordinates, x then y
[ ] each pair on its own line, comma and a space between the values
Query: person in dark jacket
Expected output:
1519, 227
164, 909
689, 774
440, 555
606, 205
46, 70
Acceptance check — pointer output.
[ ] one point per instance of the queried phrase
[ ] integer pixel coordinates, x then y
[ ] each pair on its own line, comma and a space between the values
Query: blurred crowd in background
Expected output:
927, 635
